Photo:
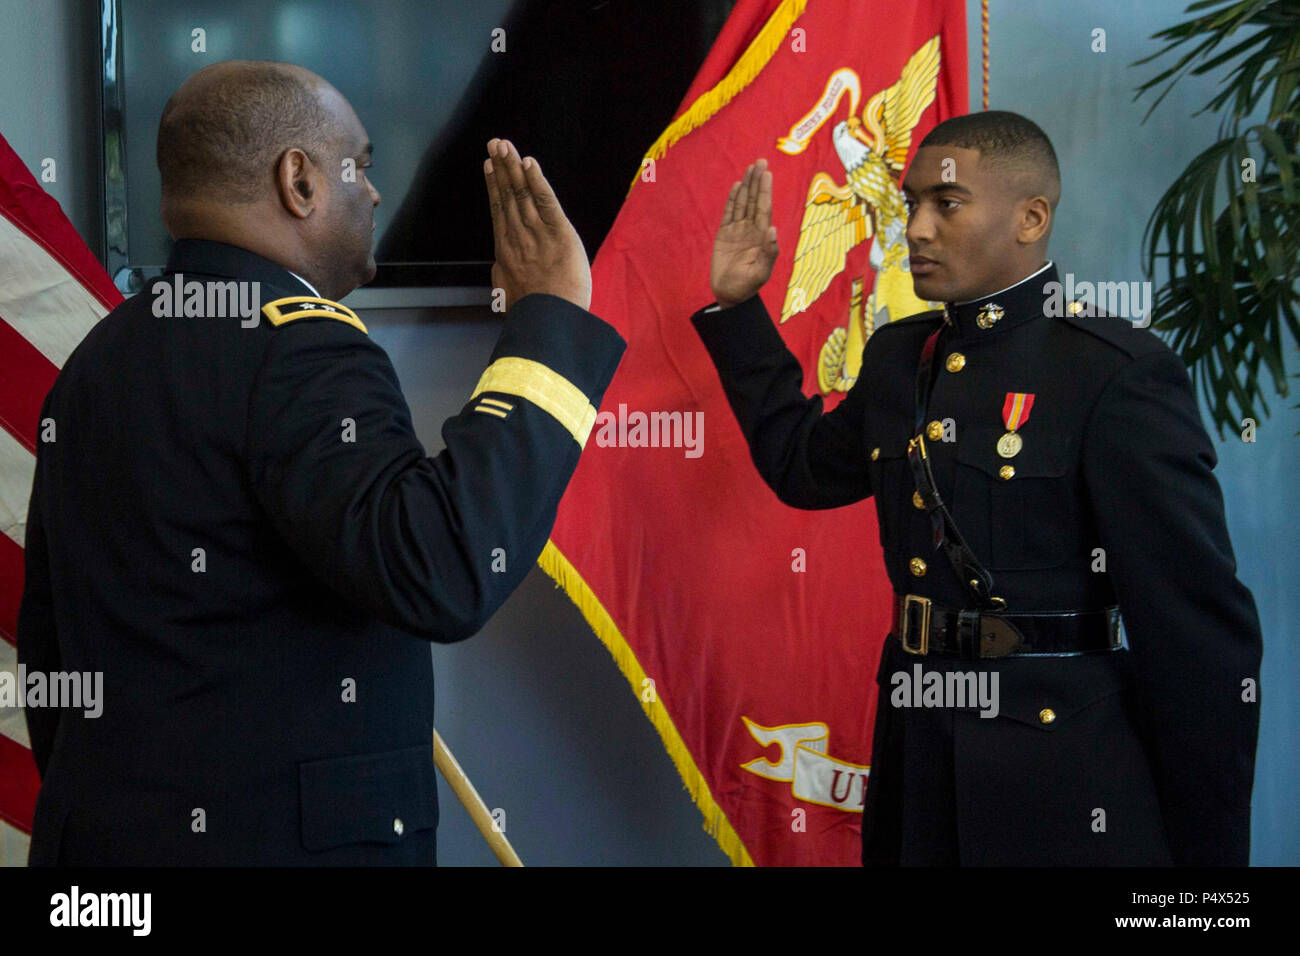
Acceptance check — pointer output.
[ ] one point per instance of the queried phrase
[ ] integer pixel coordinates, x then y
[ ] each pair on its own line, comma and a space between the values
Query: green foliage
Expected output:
1227, 229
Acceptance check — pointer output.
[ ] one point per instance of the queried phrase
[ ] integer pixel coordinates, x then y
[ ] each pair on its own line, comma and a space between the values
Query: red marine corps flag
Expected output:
750, 631
52, 290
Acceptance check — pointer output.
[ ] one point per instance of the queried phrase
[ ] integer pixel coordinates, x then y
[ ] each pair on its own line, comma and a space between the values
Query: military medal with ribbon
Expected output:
1015, 412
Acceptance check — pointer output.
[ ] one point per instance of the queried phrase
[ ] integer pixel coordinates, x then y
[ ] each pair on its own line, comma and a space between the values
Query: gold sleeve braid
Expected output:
545, 388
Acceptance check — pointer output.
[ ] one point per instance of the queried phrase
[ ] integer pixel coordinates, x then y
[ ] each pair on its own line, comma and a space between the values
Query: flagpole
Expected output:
474, 805
984, 51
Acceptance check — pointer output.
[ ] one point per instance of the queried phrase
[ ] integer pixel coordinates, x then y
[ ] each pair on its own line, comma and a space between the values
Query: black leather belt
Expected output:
927, 628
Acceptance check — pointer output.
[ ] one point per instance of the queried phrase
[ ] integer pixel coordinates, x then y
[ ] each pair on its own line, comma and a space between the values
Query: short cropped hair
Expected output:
1006, 141
222, 140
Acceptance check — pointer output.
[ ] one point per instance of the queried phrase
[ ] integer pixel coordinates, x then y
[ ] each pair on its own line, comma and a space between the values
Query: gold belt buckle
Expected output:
924, 602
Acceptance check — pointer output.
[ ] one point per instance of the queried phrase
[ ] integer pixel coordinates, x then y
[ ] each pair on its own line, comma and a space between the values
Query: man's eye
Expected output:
954, 202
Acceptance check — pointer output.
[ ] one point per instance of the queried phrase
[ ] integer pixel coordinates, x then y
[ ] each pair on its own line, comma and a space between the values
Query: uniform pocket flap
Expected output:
367, 798
1047, 692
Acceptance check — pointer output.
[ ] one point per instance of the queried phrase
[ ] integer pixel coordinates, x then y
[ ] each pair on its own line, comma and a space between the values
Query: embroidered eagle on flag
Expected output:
873, 150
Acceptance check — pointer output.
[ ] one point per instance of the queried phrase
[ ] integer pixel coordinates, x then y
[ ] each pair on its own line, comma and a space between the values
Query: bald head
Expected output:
223, 131
271, 158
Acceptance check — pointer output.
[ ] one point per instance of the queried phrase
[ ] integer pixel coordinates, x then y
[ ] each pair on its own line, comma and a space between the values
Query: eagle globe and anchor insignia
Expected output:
989, 315
837, 218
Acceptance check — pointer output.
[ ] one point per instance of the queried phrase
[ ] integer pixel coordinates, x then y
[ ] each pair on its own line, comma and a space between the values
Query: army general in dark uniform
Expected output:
1047, 512
238, 526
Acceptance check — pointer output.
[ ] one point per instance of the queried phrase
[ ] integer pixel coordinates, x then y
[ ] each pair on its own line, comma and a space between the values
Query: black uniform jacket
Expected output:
238, 527
1111, 500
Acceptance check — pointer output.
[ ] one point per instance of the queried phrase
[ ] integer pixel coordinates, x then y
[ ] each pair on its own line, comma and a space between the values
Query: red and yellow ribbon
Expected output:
1015, 410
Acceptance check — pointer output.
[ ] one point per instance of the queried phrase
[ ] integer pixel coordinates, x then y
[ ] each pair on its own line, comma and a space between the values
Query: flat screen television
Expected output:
584, 85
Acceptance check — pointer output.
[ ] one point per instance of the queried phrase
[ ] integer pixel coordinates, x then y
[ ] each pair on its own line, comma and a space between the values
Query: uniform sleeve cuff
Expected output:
574, 344
738, 336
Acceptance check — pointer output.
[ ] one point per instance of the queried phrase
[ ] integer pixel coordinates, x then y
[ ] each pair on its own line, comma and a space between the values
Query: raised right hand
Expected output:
536, 247
745, 249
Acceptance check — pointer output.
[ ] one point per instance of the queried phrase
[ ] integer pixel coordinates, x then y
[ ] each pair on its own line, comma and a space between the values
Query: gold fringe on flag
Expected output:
716, 824
749, 65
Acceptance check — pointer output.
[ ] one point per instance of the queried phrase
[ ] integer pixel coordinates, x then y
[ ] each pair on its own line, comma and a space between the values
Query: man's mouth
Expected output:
921, 265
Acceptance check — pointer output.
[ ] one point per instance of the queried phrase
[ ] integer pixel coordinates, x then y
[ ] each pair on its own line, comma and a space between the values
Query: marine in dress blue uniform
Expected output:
1113, 457
1049, 516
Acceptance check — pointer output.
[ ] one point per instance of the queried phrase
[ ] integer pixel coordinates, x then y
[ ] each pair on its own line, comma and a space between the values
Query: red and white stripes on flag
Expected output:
52, 290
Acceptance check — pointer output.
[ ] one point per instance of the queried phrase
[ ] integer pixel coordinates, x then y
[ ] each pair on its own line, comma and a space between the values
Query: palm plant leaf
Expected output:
1227, 231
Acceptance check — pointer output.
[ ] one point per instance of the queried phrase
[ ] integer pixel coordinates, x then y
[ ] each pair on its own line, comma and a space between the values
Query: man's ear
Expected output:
1035, 220
297, 182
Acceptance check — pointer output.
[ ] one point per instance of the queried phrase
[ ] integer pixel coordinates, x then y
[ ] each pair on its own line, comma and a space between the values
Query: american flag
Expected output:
52, 290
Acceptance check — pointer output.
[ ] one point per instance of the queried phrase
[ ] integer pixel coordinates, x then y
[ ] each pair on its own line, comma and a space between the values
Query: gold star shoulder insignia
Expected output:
282, 311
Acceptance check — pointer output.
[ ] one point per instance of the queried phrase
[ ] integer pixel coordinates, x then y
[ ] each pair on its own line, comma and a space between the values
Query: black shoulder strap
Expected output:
976, 579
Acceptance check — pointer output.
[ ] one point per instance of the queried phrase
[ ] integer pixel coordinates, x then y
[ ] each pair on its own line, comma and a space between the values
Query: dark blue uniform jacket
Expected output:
238, 527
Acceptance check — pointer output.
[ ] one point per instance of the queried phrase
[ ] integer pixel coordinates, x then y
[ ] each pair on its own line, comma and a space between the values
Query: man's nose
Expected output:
920, 228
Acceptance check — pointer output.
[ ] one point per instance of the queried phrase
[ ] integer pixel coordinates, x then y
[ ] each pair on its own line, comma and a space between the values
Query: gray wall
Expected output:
533, 706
